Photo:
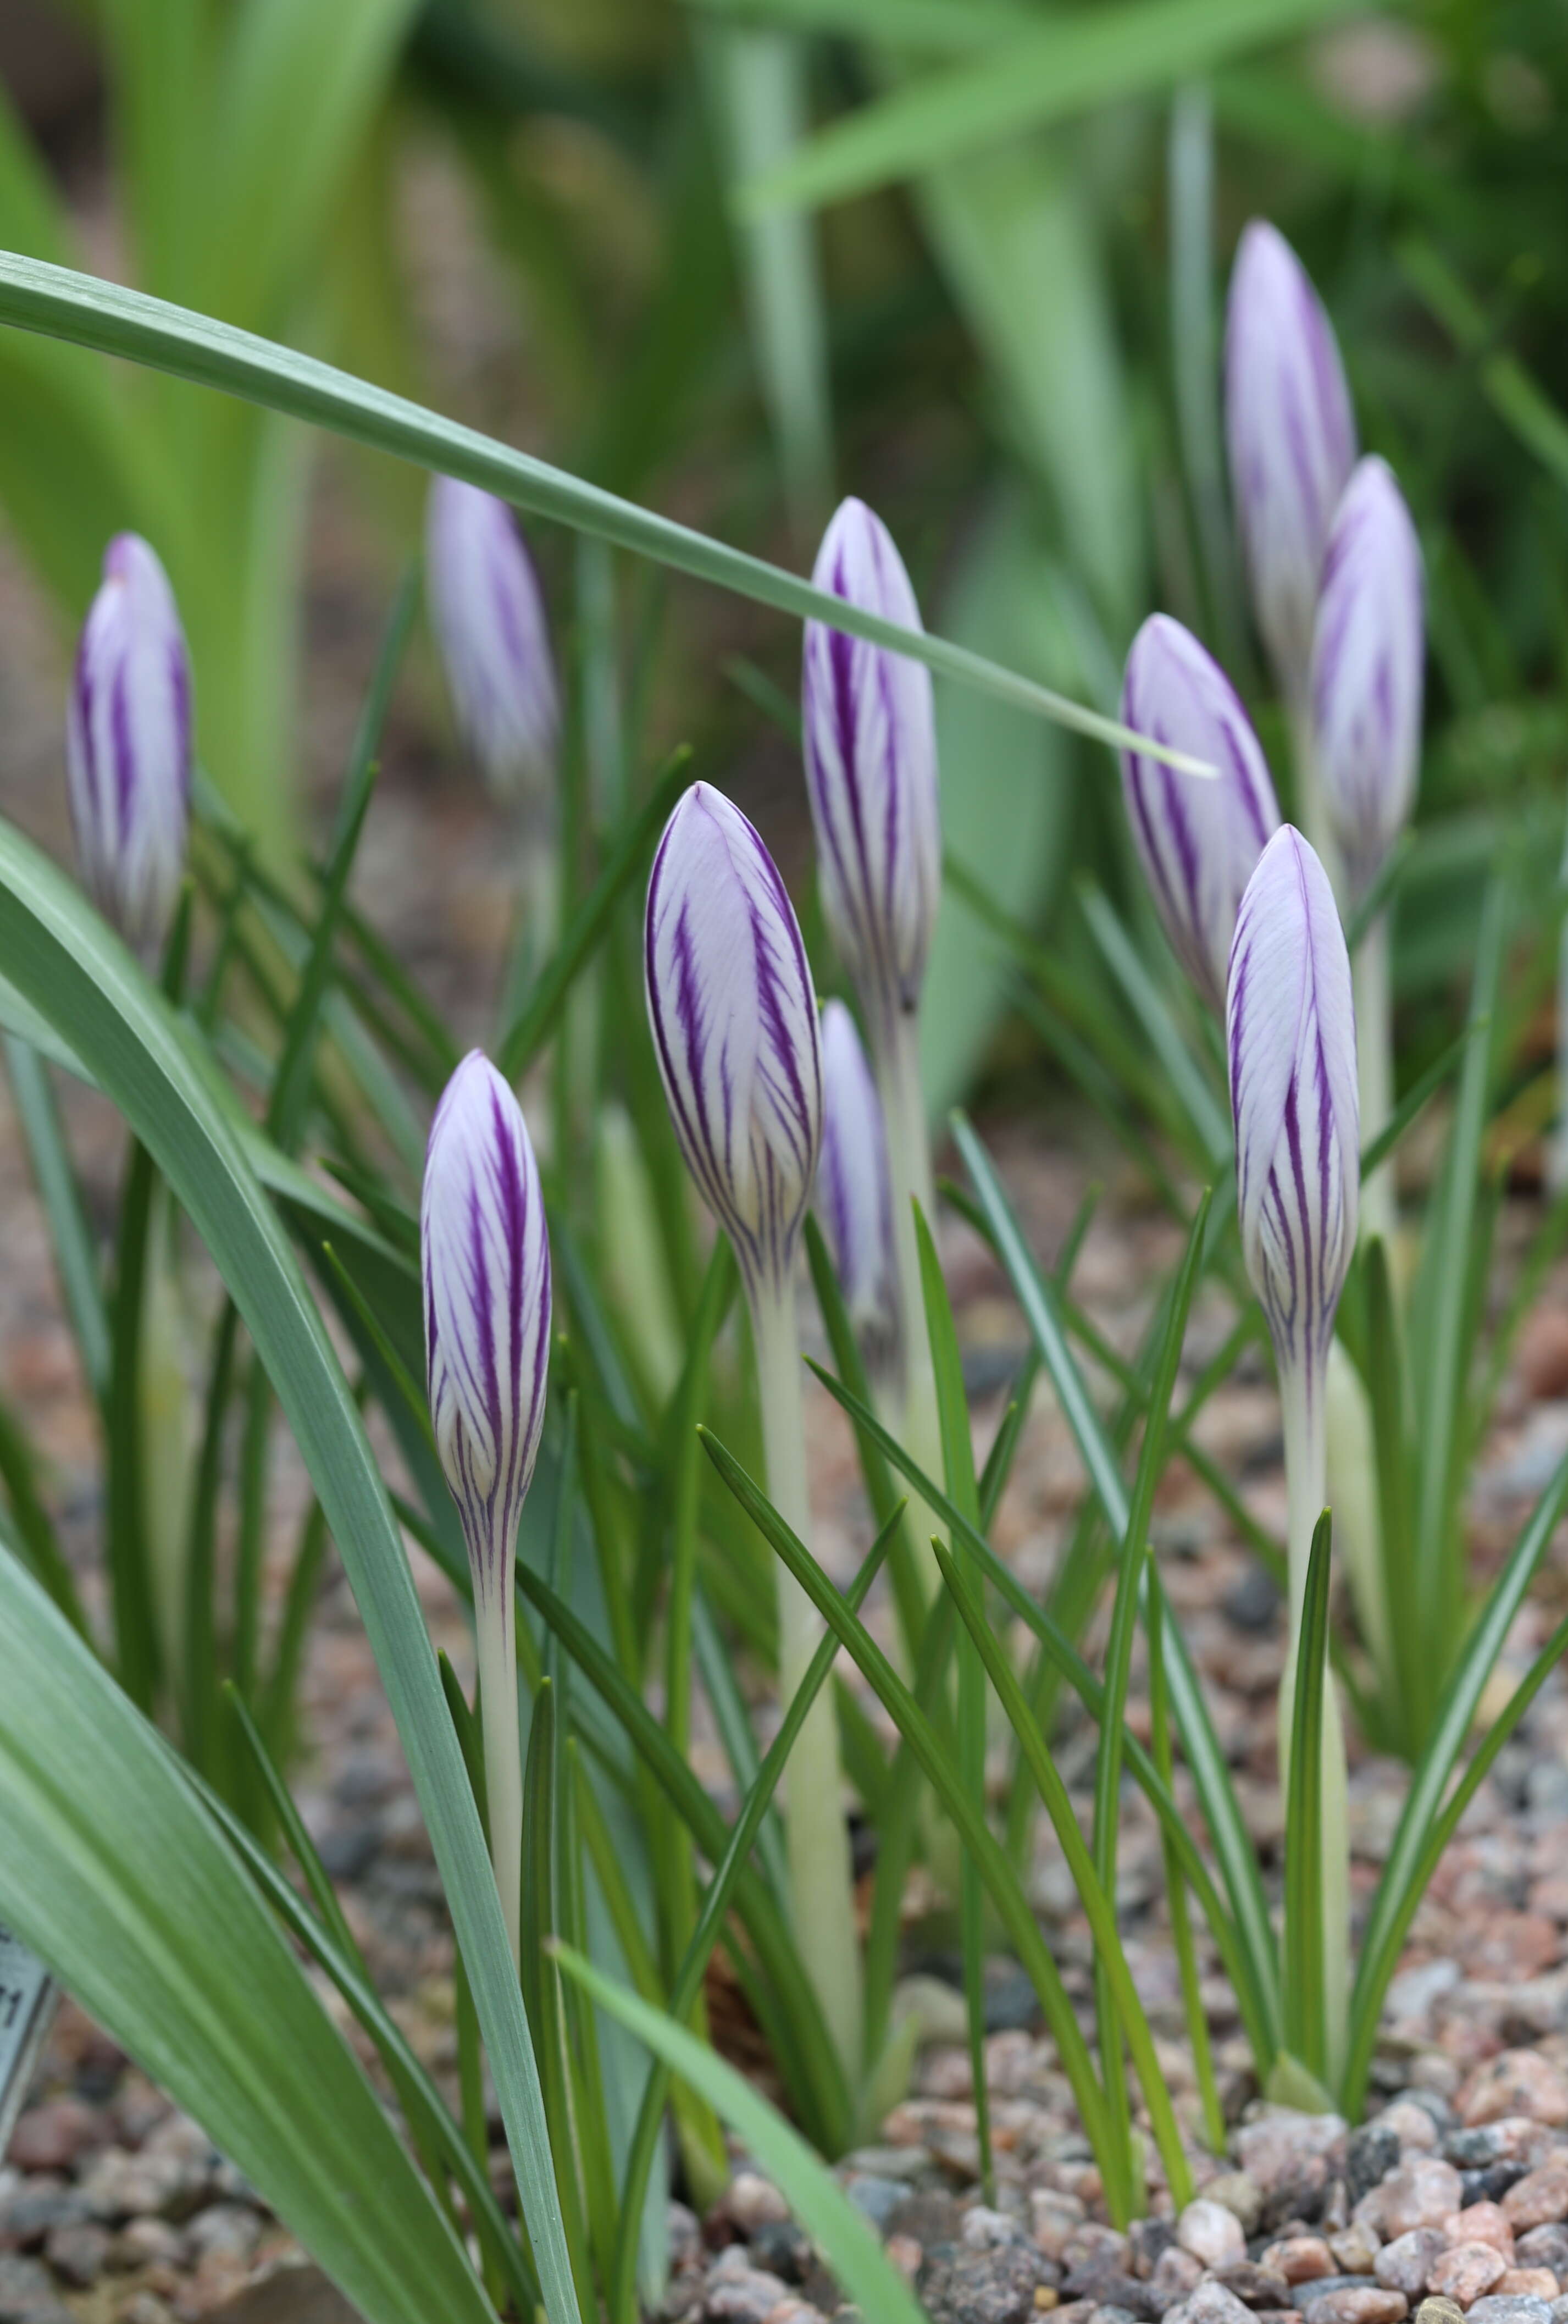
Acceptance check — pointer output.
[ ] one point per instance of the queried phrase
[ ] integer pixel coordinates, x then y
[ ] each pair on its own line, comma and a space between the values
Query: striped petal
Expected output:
1292, 440
853, 1191
1199, 839
128, 744
733, 1014
489, 623
1369, 649
871, 769
1291, 1042
486, 1252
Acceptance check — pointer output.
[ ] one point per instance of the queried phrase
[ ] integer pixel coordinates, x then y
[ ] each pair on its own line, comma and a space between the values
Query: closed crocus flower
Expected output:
854, 1196
485, 1254
1292, 440
733, 1014
128, 744
870, 766
494, 641
1368, 650
1199, 838
1291, 1042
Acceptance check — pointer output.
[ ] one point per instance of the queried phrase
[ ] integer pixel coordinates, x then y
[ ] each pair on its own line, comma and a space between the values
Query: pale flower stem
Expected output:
1370, 972
496, 1633
816, 1834
1311, 813
897, 1063
1302, 1403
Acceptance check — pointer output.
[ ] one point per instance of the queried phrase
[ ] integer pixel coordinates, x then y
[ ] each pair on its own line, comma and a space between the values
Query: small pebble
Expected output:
50, 2137
745, 2296
1356, 2250
28, 2296
1211, 2234
1241, 2193
1529, 2283
1538, 2199
1209, 2303
1464, 2272
750, 2199
1420, 2194
1411, 2124
78, 2255
1177, 2274
1482, 2223
1299, 2259
1255, 2286
1496, 2309
1359, 2303
1543, 2247
1519, 2082
1371, 2154
1404, 2264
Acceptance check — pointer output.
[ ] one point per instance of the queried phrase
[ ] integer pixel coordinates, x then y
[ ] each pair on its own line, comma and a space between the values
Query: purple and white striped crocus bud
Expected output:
855, 1198
1369, 649
1291, 1034
733, 1013
1292, 440
1199, 838
871, 770
485, 1252
128, 745
489, 623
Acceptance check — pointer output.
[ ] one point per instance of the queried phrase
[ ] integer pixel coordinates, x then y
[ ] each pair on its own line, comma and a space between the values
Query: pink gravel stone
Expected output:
1211, 2234
1361, 2303
1404, 2264
1482, 2223
1299, 2259
1538, 2199
1420, 2194
1527, 2283
1520, 2081
1466, 2271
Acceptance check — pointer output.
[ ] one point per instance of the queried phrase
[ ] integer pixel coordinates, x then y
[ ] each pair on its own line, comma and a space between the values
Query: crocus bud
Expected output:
489, 623
1199, 838
871, 767
128, 744
733, 1014
853, 1193
1291, 440
1369, 649
1290, 1033
487, 1311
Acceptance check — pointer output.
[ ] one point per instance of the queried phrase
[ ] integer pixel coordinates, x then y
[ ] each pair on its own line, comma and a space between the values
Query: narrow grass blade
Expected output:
1209, 1129
1305, 2030
93, 313
71, 1237
1011, 1905
1414, 1683
842, 2234
1252, 1973
1233, 1843
1175, 1889
1398, 1892
744, 1835
958, 1474
1418, 1096
37, 1543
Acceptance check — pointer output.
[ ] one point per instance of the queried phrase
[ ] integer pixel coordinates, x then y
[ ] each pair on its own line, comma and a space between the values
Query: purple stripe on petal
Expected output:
733, 1017
484, 1249
1198, 837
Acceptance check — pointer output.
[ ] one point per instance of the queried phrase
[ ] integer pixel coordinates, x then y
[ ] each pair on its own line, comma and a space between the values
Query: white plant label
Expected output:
27, 2003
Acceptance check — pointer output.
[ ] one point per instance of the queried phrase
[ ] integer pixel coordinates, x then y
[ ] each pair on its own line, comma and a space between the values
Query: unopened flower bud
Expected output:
489, 623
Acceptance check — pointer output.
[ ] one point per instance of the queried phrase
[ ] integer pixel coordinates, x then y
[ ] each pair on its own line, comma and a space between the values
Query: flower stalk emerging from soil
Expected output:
870, 768
1291, 1045
128, 745
485, 1252
1291, 435
1199, 840
1368, 648
734, 1022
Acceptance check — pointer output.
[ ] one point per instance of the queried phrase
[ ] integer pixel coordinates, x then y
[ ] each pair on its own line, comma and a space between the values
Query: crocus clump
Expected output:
128, 745
485, 1248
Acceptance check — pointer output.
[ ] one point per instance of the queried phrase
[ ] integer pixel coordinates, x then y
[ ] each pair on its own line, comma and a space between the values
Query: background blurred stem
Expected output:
897, 1059
1372, 972
816, 1836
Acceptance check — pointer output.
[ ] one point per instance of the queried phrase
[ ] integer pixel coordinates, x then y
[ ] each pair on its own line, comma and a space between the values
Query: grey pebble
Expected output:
37, 2204
1371, 2154
1510, 2307
877, 2199
78, 2255
1404, 2264
956, 2285
27, 2293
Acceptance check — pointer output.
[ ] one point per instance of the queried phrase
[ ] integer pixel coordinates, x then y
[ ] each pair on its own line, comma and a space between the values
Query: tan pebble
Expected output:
1542, 1358
1358, 2304
1528, 2283
1411, 2124
906, 2254
1298, 2258
1482, 2223
1047, 2296
1519, 2082
1538, 2199
1356, 2250
1211, 2234
1439, 2312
